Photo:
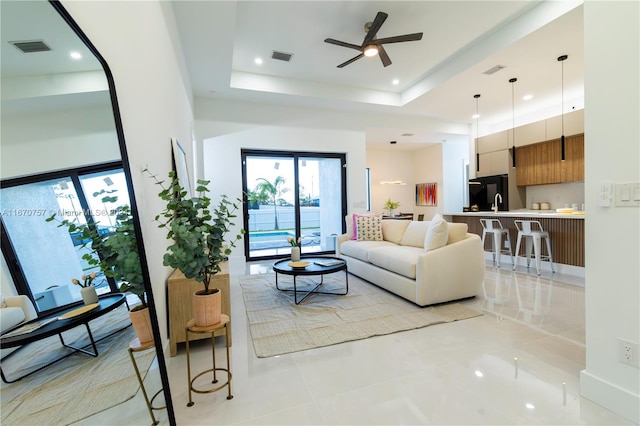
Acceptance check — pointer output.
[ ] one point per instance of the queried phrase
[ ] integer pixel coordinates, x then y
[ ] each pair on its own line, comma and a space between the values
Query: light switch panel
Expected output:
604, 194
628, 194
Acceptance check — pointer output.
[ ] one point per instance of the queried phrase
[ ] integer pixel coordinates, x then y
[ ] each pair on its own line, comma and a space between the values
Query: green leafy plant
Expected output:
197, 232
115, 253
391, 205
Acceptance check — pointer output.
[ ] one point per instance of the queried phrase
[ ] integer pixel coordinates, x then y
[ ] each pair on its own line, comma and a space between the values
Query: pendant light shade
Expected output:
513, 122
476, 140
561, 59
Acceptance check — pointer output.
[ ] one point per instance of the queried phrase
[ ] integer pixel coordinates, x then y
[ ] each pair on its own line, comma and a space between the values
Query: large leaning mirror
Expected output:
62, 151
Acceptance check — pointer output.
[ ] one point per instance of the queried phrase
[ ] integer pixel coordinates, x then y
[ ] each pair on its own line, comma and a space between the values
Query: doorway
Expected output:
292, 195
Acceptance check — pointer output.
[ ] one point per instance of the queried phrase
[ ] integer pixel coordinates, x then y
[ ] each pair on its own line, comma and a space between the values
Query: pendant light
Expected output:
513, 122
561, 59
476, 141
393, 181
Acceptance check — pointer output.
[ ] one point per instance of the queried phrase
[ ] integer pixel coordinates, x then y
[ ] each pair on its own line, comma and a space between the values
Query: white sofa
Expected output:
401, 264
14, 310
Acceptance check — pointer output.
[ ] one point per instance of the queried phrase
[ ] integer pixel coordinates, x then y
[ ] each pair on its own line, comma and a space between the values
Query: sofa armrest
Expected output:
341, 239
451, 272
24, 303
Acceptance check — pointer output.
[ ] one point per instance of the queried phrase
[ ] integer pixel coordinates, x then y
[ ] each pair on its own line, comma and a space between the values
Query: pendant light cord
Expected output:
513, 121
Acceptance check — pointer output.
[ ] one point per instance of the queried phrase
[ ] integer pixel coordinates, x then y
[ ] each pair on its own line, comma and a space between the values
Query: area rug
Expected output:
279, 326
79, 385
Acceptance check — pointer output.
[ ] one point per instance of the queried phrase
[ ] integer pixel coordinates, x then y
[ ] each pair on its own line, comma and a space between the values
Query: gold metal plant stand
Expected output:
211, 329
136, 346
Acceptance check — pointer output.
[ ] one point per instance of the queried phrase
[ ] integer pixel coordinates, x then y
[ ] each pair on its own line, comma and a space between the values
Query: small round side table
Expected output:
211, 329
136, 346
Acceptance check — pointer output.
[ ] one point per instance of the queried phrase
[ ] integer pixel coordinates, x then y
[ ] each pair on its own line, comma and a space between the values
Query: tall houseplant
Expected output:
197, 234
116, 254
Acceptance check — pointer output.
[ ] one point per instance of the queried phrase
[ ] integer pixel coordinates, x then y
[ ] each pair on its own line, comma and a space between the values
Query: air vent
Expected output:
407, 134
494, 69
31, 46
281, 56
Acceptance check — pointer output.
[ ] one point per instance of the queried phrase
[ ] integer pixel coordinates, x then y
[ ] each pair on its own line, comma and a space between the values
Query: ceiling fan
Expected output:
371, 45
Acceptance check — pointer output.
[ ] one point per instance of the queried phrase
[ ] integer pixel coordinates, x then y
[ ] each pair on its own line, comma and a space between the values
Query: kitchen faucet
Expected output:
495, 202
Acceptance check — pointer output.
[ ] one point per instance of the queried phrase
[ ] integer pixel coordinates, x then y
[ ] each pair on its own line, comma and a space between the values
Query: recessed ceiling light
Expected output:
75, 55
527, 97
474, 116
478, 373
530, 406
395, 82
258, 61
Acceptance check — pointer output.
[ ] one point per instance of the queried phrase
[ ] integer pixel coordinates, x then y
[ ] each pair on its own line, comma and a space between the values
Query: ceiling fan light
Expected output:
371, 50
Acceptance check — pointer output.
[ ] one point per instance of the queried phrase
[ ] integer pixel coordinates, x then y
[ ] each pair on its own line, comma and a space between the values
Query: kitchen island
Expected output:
566, 230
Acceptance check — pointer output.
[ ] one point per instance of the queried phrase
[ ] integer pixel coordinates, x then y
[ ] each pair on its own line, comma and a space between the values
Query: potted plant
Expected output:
197, 234
391, 206
116, 254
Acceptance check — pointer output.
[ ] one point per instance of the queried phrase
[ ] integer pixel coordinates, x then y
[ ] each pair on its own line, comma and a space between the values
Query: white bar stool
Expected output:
533, 233
494, 226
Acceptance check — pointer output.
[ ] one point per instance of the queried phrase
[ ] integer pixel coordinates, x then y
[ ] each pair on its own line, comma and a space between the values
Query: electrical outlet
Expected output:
628, 352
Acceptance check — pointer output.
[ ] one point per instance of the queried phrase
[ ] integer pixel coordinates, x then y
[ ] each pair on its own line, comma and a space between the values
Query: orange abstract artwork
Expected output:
426, 194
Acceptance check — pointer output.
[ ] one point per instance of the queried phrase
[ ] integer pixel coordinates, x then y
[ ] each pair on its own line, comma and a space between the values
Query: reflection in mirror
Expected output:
59, 146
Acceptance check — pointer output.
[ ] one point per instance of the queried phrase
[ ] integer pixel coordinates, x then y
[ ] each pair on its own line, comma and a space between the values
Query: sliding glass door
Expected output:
42, 256
292, 195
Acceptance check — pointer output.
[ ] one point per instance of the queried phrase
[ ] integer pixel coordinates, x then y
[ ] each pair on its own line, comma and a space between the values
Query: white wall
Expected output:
135, 38
42, 142
386, 165
222, 160
454, 156
612, 153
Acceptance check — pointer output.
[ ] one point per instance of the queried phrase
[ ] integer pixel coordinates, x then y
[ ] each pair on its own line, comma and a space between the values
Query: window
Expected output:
43, 257
292, 195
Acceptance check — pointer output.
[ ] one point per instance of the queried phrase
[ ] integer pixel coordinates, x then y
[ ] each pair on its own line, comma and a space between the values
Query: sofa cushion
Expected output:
457, 232
3, 303
369, 228
393, 230
415, 233
438, 233
10, 317
399, 259
360, 249
352, 226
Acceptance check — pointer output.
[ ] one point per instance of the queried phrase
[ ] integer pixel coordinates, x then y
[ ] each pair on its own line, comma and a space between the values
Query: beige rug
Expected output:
278, 326
79, 385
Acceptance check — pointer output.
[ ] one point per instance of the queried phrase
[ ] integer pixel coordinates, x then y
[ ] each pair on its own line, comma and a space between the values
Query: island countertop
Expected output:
565, 229
523, 213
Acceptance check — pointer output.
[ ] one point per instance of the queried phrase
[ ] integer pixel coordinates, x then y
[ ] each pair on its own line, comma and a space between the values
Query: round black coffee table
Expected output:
317, 266
57, 324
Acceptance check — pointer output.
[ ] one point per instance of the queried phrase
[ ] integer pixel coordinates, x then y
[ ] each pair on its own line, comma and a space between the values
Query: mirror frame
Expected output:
162, 367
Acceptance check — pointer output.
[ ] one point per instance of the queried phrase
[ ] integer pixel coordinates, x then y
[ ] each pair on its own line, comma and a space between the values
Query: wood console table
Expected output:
180, 310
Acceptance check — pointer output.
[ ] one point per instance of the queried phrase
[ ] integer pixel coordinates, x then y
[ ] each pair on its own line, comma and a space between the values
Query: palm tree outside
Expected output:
271, 191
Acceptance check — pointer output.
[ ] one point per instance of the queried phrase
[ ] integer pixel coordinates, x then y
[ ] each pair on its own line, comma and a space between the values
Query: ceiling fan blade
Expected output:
398, 39
342, 43
344, 64
383, 56
375, 26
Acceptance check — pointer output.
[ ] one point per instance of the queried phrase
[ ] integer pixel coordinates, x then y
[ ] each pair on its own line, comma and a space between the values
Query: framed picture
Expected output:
182, 171
426, 194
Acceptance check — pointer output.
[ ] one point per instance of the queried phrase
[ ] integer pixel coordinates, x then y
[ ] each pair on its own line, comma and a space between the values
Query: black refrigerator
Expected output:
483, 190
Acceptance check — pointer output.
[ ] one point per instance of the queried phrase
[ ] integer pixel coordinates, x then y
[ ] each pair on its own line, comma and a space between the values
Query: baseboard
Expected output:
610, 396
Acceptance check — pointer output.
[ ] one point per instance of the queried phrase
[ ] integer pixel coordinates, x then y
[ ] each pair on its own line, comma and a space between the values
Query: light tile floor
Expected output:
518, 363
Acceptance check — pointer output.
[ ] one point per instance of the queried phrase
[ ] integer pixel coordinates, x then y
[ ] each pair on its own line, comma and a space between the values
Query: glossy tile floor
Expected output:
518, 363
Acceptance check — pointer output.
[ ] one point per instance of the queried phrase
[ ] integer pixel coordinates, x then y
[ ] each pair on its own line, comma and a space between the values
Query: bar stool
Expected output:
211, 329
136, 346
494, 226
533, 234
